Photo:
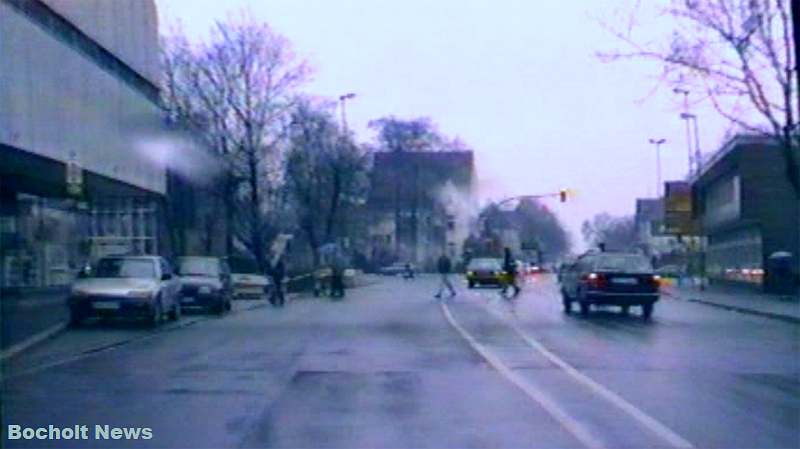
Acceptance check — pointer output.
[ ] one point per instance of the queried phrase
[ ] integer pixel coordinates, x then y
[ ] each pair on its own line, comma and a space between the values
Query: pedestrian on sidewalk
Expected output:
277, 273
510, 268
444, 266
338, 264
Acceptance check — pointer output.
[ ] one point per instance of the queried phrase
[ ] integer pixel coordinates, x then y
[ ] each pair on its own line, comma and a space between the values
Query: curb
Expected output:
33, 340
744, 310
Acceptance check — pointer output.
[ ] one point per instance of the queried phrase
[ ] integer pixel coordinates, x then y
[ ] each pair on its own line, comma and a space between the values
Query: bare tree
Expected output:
739, 53
239, 87
325, 174
617, 233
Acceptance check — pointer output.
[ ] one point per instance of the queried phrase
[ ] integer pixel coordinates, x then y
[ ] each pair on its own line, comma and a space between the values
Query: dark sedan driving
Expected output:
618, 279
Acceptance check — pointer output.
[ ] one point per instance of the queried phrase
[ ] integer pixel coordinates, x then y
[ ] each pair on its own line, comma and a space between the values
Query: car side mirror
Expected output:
166, 276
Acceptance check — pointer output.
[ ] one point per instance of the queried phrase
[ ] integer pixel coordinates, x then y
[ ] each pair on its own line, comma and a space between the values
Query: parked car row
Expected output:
150, 288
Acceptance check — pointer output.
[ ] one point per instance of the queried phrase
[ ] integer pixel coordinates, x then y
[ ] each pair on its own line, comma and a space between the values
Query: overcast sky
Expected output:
518, 81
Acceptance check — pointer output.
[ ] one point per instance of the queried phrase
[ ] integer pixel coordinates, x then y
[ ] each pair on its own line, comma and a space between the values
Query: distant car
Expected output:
247, 282
608, 278
206, 283
132, 286
484, 271
394, 269
536, 269
671, 271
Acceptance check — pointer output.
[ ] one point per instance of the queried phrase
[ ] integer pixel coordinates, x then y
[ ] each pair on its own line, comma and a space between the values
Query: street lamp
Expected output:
688, 116
342, 100
684, 116
658, 143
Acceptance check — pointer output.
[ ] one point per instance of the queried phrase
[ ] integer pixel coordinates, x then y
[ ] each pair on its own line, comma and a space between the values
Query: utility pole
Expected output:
342, 100
658, 143
684, 116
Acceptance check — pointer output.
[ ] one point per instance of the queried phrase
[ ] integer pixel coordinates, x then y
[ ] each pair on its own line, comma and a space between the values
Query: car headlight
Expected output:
204, 290
470, 273
79, 293
141, 294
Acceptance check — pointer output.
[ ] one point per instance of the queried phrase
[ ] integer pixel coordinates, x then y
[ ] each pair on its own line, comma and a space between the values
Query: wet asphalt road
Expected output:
389, 367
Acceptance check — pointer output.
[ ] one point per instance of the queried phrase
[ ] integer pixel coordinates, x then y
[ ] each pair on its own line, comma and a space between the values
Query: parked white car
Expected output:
131, 286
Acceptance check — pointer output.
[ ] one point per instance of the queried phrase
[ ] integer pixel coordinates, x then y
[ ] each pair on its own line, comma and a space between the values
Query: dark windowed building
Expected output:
747, 211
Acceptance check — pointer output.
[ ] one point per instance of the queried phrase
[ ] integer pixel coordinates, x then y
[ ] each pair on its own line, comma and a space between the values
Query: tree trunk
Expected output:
330, 220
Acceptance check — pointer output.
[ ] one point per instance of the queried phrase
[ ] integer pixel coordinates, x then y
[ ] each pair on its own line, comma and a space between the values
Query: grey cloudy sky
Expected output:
519, 81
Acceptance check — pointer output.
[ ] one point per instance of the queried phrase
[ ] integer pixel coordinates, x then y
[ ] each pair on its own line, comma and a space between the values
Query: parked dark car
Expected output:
206, 283
606, 278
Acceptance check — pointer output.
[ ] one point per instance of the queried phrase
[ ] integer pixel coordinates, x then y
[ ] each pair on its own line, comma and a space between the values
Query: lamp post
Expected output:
342, 100
688, 116
685, 112
658, 143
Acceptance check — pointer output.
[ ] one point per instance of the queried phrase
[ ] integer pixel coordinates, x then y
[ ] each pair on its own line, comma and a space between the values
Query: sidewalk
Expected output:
29, 317
770, 306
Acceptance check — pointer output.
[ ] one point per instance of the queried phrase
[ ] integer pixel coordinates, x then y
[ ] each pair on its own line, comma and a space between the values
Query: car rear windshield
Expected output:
125, 268
198, 267
624, 263
484, 264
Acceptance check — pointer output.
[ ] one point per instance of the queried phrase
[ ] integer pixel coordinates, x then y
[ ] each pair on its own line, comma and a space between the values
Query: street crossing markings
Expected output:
570, 424
656, 427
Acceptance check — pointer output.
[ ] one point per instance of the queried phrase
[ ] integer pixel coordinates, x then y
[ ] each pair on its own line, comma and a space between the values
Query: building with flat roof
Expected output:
747, 211
79, 102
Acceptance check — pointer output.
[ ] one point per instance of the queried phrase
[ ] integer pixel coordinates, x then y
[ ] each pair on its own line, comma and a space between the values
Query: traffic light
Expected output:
563, 195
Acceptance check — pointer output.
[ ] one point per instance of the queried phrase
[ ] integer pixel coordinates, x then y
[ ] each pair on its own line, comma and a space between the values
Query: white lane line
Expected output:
570, 424
653, 425
32, 340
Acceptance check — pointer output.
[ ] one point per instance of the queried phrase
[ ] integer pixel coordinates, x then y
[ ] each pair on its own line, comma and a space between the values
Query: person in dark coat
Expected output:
277, 272
510, 267
444, 266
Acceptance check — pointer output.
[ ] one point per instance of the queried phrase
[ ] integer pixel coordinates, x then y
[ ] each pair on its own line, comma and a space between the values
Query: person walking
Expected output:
337, 274
277, 272
444, 267
510, 268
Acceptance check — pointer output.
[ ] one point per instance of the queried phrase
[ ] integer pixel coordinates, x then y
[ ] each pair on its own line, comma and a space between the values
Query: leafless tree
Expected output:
739, 53
239, 89
616, 233
325, 175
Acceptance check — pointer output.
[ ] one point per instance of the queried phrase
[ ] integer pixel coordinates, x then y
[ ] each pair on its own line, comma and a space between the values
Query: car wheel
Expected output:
584, 308
471, 284
647, 311
155, 316
175, 313
219, 307
625, 310
75, 318
228, 304
567, 302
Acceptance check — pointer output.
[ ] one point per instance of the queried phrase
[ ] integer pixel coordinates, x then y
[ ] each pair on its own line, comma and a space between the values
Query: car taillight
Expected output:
595, 280
655, 280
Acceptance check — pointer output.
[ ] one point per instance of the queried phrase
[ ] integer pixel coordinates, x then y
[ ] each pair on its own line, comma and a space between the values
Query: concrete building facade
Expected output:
747, 211
79, 104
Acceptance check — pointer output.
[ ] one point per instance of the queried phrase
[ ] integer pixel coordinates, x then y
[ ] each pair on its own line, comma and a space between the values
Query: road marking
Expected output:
656, 427
32, 340
570, 424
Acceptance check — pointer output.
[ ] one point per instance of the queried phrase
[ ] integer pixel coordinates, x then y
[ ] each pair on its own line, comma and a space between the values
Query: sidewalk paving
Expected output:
785, 308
